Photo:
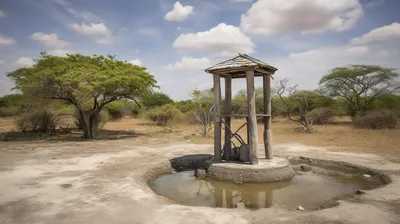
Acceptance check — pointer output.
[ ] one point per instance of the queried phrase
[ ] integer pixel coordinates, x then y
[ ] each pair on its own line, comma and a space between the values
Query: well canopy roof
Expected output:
241, 63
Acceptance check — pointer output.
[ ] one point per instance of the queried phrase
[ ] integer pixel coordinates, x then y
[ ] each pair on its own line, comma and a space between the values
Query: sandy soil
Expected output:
99, 182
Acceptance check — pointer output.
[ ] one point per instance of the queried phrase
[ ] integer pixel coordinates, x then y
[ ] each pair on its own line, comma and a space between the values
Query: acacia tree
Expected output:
87, 82
360, 85
203, 106
295, 103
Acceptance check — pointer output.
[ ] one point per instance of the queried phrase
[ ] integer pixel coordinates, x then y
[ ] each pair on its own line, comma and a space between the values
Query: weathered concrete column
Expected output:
251, 112
267, 120
228, 111
217, 118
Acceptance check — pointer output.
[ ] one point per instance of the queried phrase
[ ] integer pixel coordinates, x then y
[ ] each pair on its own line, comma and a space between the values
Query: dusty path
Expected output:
97, 182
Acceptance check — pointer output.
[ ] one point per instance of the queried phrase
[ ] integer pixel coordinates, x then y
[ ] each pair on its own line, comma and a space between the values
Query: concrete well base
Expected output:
276, 169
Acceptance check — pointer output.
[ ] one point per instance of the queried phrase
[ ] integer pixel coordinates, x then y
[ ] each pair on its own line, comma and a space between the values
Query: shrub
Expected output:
38, 121
98, 121
320, 115
163, 115
116, 109
375, 120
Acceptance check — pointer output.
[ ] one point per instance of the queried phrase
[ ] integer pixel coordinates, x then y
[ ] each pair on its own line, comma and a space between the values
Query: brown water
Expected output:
310, 190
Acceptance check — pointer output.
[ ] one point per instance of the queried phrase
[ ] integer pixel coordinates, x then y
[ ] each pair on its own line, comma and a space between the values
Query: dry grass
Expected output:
340, 136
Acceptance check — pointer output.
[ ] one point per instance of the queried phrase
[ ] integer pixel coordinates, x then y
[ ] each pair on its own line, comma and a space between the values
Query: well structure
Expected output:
230, 162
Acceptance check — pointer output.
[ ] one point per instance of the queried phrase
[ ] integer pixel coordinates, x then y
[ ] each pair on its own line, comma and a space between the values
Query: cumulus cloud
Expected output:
99, 31
2, 14
379, 35
189, 63
307, 68
24, 62
137, 62
179, 12
267, 17
6, 40
60, 52
86, 16
49, 39
223, 39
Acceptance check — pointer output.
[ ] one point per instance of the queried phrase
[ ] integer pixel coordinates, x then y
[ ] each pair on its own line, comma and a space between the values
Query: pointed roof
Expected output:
241, 63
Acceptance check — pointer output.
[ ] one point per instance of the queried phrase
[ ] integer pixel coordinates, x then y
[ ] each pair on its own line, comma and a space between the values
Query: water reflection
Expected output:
254, 196
310, 190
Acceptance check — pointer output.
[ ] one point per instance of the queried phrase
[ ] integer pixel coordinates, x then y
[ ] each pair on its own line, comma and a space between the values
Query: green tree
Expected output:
203, 107
360, 85
87, 82
156, 100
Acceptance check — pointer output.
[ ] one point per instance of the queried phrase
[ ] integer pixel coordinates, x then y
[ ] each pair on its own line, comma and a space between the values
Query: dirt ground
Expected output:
65, 180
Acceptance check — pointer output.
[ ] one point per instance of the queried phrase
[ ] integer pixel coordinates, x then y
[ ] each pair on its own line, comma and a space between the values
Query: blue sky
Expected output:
176, 41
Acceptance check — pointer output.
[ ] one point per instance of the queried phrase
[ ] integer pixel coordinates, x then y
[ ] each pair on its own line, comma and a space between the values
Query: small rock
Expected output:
200, 173
240, 205
54, 158
305, 168
366, 175
360, 192
300, 208
172, 172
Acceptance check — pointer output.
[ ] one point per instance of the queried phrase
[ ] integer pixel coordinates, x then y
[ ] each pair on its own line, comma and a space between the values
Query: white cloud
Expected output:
100, 31
6, 40
2, 14
267, 17
49, 39
2, 62
179, 12
24, 61
91, 29
223, 39
87, 16
379, 35
307, 68
137, 62
60, 52
189, 63
374, 3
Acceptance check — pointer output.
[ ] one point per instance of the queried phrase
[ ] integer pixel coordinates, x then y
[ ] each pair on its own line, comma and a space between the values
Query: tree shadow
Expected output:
60, 136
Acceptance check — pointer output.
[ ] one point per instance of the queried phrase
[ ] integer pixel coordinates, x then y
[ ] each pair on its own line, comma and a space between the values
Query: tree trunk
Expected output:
87, 128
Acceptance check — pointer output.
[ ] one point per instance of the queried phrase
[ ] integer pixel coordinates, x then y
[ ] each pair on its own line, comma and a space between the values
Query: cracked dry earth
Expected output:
101, 182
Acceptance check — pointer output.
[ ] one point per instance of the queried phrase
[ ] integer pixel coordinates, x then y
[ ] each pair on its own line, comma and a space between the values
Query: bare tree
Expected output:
203, 106
293, 103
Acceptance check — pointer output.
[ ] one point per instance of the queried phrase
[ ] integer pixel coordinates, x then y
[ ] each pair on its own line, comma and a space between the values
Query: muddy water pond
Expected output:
311, 190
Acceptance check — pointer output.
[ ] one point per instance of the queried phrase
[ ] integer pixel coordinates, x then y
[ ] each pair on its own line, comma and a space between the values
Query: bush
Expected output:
320, 115
98, 121
118, 109
115, 109
38, 121
376, 120
163, 115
